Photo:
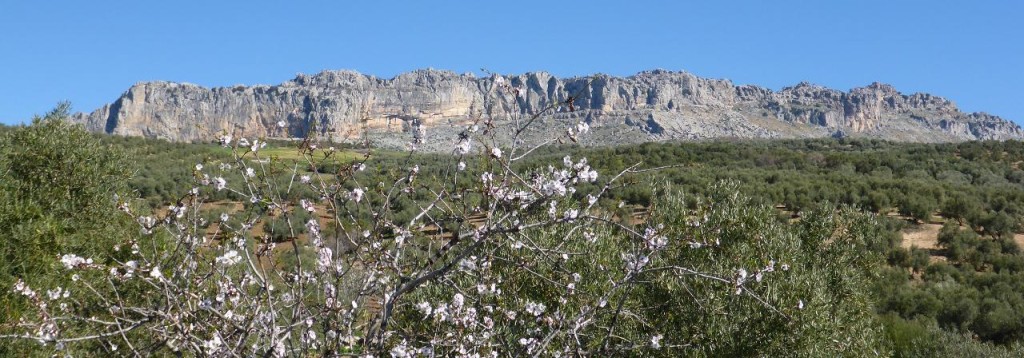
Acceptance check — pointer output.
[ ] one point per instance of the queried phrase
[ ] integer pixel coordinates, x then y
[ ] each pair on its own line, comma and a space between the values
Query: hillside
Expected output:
649, 106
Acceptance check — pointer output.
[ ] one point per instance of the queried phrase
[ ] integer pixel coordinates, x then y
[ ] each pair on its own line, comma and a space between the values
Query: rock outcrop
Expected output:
651, 105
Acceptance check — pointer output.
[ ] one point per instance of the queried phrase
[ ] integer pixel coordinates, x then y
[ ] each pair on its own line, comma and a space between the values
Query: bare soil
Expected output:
925, 236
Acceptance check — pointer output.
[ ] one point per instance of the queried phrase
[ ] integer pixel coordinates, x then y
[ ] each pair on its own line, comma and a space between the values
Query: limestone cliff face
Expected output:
651, 105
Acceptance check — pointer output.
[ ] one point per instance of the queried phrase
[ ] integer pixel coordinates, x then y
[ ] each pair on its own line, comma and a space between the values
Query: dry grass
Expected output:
925, 236
292, 153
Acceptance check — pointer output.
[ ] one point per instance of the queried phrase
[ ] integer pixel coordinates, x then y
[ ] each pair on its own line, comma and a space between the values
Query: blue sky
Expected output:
89, 52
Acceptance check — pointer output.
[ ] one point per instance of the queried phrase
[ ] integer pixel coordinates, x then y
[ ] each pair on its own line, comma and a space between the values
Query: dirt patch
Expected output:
925, 236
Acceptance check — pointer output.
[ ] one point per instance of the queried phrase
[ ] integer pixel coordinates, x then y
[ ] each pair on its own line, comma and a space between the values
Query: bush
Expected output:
923, 339
59, 193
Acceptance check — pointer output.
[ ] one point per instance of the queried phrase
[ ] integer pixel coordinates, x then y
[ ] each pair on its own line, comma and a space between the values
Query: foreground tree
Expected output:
494, 259
58, 191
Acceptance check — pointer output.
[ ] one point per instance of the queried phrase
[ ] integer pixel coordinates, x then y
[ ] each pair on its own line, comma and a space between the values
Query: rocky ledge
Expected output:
649, 106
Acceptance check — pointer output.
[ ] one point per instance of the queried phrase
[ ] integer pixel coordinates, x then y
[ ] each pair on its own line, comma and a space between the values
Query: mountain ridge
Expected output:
653, 105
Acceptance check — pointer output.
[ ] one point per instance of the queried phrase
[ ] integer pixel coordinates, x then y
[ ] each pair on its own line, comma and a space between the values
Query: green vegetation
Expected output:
979, 291
59, 190
814, 276
977, 183
858, 291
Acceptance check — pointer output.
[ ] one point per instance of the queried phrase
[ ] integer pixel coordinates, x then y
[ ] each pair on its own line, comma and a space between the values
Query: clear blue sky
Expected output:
89, 52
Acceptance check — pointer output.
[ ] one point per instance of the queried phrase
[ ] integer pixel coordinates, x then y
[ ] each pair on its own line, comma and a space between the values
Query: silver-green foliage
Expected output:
58, 195
731, 280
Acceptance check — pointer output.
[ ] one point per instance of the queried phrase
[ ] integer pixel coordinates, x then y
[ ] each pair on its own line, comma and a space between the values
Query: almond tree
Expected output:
497, 259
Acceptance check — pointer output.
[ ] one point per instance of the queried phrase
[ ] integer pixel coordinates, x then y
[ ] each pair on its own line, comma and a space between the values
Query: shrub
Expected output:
59, 194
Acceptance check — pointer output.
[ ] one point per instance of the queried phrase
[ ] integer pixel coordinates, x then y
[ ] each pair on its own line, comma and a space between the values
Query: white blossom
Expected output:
307, 205
441, 312
130, 267
72, 261
740, 277
213, 344
229, 258
496, 152
257, 145
424, 308
178, 211
402, 350
653, 240
313, 227
155, 273
468, 264
553, 187
219, 183
23, 288
323, 261
656, 341
571, 214
587, 175
536, 309
463, 147
635, 263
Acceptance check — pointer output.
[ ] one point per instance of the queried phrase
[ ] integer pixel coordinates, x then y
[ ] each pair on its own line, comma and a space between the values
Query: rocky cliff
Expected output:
651, 105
